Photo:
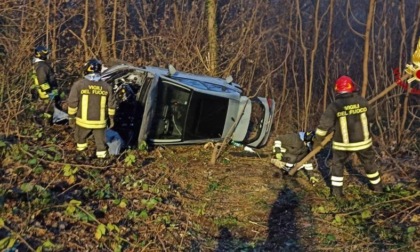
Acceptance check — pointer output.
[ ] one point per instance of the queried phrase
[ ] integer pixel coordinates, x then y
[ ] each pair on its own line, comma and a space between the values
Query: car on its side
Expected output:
165, 106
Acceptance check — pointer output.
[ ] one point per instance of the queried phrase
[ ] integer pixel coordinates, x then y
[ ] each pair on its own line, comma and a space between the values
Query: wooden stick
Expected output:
330, 135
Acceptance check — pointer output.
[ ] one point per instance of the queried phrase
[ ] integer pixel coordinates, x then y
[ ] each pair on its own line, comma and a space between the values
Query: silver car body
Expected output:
164, 106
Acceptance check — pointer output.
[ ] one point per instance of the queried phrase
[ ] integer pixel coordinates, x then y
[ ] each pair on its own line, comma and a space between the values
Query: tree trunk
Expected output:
47, 25
369, 22
114, 25
305, 63
212, 35
84, 29
316, 32
100, 22
327, 55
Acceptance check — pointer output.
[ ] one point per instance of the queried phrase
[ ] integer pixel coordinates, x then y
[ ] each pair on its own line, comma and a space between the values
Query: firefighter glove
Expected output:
111, 122
53, 94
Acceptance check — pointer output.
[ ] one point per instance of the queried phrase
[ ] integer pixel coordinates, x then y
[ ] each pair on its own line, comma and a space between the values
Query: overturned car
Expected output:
164, 106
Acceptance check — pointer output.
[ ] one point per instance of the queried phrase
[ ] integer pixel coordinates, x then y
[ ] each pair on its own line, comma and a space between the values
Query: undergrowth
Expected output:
169, 199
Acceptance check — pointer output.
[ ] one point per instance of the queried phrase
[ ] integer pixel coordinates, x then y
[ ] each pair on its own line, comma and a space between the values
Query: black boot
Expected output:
337, 192
82, 156
101, 161
377, 187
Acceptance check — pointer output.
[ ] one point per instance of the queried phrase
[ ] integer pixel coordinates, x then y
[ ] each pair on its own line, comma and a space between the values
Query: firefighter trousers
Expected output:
81, 134
365, 156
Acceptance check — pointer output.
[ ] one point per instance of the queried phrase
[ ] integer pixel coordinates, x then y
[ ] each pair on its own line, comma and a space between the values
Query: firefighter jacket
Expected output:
44, 78
91, 100
295, 148
349, 117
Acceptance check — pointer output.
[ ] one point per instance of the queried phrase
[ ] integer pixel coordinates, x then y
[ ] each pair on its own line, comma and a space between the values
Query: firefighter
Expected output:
349, 117
291, 148
44, 88
90, 102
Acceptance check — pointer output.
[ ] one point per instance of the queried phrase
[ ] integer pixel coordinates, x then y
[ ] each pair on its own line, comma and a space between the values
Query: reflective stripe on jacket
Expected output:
41, 89
348, 116
44, 78
91, 101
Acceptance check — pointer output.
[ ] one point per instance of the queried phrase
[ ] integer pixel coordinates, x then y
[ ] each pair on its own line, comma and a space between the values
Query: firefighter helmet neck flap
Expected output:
344, 85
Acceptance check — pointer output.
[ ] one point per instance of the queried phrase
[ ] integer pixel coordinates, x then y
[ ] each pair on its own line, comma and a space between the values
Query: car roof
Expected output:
160, 71
197, 77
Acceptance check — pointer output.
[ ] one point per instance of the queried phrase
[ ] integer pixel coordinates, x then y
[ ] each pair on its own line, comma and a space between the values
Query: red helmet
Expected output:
344, 84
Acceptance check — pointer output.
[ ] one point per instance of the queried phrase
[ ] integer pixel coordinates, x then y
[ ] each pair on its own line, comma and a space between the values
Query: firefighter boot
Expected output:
82, 156
102, 162
377, 187
337, 192
102, 158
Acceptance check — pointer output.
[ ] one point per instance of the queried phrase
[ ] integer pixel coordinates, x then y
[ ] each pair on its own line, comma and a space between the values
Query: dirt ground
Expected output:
171, 199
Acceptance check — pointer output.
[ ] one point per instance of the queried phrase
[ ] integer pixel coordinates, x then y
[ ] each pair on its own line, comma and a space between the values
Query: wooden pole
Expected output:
330, 135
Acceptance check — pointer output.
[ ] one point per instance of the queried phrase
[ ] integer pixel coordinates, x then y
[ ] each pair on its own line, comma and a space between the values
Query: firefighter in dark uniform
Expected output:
90, 103
45, 84
293, 147
349, 116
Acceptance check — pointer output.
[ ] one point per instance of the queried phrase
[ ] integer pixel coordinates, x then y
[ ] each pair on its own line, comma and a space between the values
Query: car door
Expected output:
255, 120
